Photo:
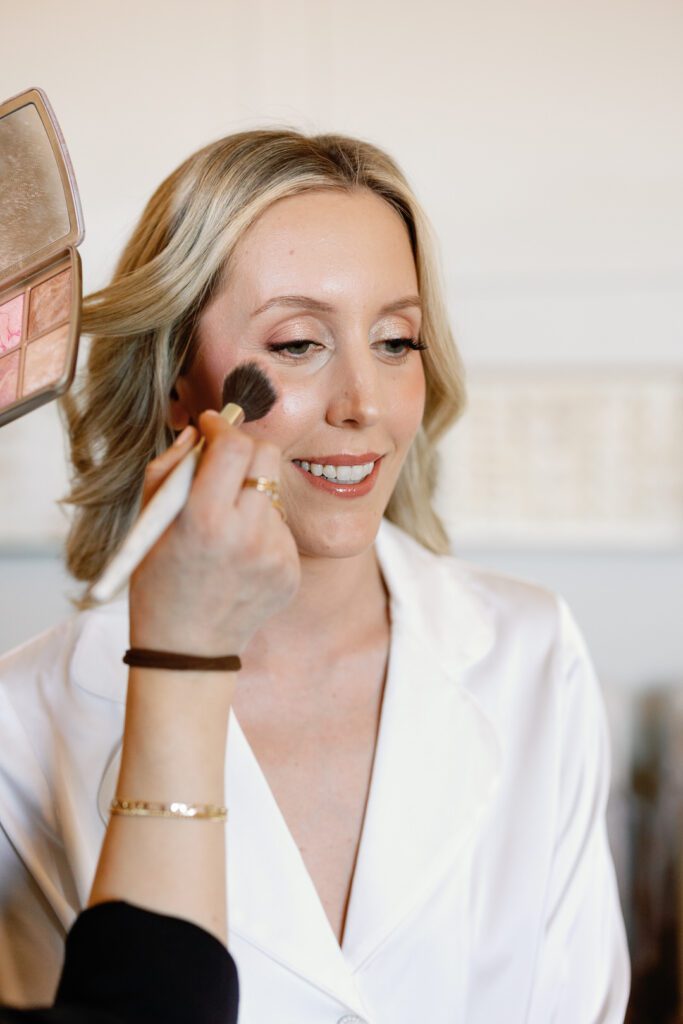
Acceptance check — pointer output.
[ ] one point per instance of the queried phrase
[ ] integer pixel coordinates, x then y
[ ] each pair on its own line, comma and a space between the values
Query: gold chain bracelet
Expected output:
175, 809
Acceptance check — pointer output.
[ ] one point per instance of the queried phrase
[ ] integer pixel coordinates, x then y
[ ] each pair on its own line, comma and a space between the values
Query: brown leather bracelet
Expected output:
140, 657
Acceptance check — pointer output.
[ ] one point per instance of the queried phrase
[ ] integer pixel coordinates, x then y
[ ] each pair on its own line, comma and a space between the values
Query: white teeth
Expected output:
343, 474
357, 473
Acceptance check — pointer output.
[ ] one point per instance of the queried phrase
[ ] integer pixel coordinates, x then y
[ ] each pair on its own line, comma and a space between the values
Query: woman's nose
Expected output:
355, 398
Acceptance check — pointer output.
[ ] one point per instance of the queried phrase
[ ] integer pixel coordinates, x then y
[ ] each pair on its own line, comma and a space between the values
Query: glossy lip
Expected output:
342, 460
342, 490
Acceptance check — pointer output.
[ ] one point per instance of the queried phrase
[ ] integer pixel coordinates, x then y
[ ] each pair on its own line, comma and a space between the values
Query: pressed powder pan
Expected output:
40, 269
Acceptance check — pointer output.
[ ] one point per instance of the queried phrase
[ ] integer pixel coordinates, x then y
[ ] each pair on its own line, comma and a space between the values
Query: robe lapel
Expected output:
272, 901
437, 759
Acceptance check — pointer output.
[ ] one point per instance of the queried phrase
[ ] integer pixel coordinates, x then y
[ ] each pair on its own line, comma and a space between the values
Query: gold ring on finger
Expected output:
269, 487
262, 483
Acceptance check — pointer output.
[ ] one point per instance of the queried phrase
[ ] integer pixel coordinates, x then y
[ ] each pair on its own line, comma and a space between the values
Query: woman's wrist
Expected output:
175, 735
179, 698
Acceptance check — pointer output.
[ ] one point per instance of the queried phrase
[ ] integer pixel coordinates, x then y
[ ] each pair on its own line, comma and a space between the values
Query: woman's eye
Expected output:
400, 346
295, 349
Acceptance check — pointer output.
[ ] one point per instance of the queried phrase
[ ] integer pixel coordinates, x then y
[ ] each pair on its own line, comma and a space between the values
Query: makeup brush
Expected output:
247, 395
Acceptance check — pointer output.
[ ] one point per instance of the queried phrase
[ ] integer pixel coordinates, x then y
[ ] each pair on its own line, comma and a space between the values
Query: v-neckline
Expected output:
370, 800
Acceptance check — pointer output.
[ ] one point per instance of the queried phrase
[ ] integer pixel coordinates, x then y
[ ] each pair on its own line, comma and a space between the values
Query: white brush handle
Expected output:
155, 518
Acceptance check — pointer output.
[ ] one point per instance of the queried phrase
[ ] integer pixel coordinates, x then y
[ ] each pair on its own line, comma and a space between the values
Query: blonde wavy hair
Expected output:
142, 325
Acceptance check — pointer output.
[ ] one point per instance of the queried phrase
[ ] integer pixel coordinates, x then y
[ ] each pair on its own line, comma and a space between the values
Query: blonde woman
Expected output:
417, 762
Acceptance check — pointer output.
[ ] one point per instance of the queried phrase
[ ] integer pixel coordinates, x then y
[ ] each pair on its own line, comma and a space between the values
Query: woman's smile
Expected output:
342, 478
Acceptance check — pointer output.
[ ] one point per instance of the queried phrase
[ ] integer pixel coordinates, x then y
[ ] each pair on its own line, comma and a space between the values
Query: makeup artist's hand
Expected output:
227, 562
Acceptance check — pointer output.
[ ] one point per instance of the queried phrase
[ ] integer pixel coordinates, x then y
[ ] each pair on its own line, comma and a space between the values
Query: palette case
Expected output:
40, 269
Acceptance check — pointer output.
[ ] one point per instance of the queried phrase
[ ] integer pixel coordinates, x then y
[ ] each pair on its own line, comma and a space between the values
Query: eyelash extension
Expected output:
281, 346
416, 346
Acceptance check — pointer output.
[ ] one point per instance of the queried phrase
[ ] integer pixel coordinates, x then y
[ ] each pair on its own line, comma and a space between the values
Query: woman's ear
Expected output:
178, 413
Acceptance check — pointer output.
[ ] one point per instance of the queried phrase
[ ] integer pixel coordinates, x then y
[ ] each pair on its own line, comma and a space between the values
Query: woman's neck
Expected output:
341, 601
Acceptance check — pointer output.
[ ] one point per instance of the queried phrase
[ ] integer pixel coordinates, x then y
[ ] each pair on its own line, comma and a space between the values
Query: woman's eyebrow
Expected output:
306, 302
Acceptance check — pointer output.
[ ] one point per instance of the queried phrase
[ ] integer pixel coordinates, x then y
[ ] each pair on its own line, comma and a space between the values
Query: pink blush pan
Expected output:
35, 337
11, 314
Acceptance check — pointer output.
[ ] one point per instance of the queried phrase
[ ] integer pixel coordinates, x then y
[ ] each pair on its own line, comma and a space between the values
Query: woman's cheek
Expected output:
294, 414
408, 402
298, 402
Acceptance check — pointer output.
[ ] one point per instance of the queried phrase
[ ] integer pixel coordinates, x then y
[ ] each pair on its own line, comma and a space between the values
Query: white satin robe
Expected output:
484, 891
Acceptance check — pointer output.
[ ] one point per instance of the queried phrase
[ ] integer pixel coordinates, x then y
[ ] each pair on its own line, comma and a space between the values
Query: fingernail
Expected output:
183, 436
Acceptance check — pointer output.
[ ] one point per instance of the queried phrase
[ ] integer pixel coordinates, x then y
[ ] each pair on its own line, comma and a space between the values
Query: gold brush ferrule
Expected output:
233, 414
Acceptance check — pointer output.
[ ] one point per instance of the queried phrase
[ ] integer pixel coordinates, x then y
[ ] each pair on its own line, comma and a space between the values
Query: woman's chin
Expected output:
345, 535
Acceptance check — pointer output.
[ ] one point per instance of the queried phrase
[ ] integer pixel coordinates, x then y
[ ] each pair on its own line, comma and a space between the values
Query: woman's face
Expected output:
320, 290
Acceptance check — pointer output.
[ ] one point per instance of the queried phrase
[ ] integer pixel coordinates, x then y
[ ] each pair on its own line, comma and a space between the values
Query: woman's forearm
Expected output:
173, 750
225, 564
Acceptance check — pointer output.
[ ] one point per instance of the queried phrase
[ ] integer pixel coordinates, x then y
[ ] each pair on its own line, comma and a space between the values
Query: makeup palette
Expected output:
40, 269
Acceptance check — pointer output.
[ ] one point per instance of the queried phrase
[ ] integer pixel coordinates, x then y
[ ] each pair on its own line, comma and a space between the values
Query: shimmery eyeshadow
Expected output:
9, 373
45, 360
49, 304
10, 323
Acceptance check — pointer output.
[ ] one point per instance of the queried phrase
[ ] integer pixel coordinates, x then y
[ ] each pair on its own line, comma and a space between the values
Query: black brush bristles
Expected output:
249, 387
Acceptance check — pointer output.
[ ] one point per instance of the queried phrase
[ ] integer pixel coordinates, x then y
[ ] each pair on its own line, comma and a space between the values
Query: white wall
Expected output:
543, 138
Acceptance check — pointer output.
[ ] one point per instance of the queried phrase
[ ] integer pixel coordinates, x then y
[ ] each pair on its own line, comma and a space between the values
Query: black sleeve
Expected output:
125, 965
